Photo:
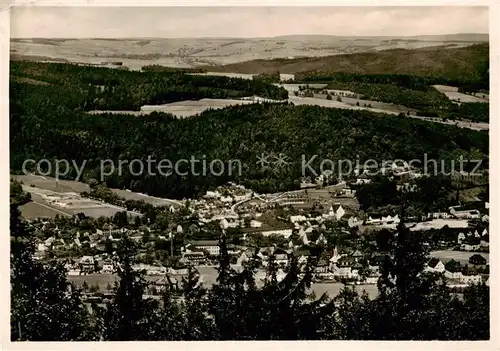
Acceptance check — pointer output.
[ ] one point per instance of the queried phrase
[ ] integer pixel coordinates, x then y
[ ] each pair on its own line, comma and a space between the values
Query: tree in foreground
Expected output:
44, 305
411, 305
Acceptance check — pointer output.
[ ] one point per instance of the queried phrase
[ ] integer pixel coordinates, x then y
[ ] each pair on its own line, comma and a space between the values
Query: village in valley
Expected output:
321, 221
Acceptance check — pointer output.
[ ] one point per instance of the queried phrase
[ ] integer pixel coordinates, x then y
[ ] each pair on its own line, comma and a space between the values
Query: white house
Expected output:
360, 181
321, 240
281, 259
372, 279
177, 271
107, 268
354, 222
41, 247
224, 224
461, 237
453, 275
435, 266
303, 237
335, 256
471, 279
437, 215
242, 259
226, 199
467, 214
298, 218
212, 194
336, 211
255, 224
470, 247
286, 233
211, 246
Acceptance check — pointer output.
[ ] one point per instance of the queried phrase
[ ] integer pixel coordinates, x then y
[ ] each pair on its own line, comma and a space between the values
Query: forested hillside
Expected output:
466, 63
49, 121
90, 88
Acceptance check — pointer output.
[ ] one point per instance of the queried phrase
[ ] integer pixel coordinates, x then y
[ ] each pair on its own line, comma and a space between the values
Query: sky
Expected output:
188, 22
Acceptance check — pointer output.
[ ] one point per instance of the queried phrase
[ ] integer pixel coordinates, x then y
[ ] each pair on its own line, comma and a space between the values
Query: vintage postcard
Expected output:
254, 173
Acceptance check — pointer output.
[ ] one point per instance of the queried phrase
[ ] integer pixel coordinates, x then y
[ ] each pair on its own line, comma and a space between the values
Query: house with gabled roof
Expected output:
434, 265
357, 255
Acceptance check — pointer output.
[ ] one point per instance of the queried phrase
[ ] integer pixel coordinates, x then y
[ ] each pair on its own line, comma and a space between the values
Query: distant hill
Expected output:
461, 37
215, 52
451, 62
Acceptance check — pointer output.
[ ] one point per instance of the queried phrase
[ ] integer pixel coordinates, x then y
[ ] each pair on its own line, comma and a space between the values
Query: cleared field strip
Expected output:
155, 201
49, 183
33, 210
453, 94
51, 197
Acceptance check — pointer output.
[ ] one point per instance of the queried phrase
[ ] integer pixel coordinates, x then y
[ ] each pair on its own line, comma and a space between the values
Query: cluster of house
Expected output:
100, 264
473, 241
455, 218
95, 240
307, 224
400, 170
457, 275
219, 206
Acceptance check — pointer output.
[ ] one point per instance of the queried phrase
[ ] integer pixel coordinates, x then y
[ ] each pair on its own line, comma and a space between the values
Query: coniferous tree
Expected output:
127, 316
44, 305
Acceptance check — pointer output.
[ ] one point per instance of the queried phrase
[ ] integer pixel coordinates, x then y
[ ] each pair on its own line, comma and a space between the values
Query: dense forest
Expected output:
431, 194
411, 305
50, 121
97, 88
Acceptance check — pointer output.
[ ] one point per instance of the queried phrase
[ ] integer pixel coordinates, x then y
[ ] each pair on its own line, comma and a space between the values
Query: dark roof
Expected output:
357, 265
344, 261
335, 207
472, 241
357, 253
377, 260
204, 243
433, 262
477, 258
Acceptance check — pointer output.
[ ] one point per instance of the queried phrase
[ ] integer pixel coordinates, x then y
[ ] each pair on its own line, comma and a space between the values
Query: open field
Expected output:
323, 102
226, 74
453, 94
71, 203
62, 197
49, 183
155, 201
460, 256
209, 52
124, 112
190, 108
33, 210
292, 87
46, 185
376, 105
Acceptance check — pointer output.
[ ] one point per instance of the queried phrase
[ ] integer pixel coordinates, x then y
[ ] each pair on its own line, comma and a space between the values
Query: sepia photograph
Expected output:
249, 173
